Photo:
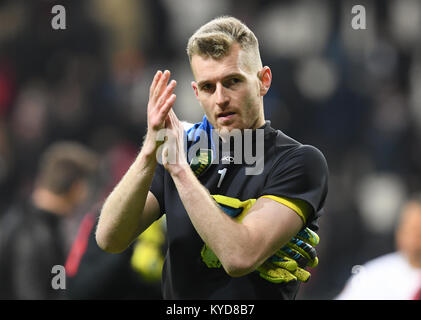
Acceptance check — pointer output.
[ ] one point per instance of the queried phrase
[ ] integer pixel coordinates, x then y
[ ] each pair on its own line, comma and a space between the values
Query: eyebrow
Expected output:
231, 75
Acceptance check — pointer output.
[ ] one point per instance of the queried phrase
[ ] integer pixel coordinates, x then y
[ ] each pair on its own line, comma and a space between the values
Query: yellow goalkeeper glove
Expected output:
287, 264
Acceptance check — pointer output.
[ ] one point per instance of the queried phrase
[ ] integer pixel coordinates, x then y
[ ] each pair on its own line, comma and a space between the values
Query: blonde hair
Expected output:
215, 39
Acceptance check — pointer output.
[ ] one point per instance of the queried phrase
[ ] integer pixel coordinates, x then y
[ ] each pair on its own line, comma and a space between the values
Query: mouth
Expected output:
226, 115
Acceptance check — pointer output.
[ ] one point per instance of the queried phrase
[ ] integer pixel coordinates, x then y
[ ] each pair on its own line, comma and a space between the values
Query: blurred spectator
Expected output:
133, 274
28, 125
32, 234
397, 275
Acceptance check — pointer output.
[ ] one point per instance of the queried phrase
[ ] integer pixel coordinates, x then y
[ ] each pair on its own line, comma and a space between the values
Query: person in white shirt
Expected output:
397, 275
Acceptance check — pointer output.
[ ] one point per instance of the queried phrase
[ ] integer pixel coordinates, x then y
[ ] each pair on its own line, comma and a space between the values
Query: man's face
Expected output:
230, 93
409, 234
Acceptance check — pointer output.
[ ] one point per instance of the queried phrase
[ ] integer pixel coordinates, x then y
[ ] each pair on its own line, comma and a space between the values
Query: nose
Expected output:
222, 99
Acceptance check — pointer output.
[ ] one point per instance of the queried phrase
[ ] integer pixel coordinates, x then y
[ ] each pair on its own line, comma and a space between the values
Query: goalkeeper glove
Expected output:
287, 264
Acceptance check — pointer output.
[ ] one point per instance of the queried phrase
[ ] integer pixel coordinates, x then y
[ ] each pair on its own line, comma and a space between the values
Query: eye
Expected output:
208, 87
232, 82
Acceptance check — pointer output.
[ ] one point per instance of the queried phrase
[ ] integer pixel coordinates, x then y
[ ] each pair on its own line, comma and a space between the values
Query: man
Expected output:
133, 274
223, 222
397, 275
32, 238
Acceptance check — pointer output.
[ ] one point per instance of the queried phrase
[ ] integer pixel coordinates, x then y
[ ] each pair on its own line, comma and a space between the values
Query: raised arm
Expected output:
131, 208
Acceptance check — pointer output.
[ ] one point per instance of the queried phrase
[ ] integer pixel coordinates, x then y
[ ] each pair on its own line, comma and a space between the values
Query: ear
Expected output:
265, 77
195, 89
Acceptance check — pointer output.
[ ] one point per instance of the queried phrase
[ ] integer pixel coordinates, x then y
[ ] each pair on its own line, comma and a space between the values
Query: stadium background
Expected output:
352, 93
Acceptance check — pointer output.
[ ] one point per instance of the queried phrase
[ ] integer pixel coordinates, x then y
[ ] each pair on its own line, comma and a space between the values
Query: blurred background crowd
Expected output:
351, 93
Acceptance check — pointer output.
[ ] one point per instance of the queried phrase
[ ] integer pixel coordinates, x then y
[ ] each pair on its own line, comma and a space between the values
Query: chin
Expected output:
231, 125
229, 128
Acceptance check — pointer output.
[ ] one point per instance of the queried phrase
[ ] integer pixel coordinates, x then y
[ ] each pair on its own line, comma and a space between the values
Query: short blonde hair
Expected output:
215, 39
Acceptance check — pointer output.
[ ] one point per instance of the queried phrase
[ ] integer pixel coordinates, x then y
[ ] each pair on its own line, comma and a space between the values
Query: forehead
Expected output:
206, 68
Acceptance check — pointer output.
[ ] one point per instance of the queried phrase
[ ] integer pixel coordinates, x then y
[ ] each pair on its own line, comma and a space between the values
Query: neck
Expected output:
260, 121
49, 201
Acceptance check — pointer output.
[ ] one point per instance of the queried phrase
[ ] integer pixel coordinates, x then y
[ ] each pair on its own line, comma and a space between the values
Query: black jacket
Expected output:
30, 245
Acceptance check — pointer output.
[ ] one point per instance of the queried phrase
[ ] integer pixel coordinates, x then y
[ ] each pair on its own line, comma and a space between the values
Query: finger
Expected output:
275, 274
167, 93
175, 123
302, 275
168, 123
308, 236
173, 117
157, 76
307, 255
176, 132
304, 248
172, 122
286, 252
285, 263
167, 106
162, 83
